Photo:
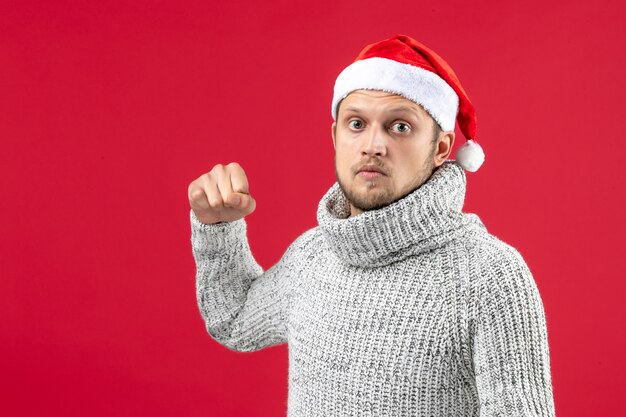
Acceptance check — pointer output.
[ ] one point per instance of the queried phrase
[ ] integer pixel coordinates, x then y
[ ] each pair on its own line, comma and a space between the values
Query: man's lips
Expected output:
370, 171
370, 174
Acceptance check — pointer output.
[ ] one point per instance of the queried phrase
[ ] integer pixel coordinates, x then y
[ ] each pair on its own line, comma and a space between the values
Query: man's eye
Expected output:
355, 124
401, 127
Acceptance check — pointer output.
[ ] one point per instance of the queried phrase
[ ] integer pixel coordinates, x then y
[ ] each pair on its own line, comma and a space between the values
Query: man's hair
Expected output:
436, 131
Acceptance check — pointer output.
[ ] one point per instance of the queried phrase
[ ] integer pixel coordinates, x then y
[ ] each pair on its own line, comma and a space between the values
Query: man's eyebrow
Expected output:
393, 109
406, 108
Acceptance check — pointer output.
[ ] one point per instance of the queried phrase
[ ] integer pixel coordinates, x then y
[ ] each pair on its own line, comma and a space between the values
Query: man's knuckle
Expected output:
216, 203
196, 194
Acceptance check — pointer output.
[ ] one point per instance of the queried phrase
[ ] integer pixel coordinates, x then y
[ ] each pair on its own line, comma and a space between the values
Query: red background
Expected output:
108, 110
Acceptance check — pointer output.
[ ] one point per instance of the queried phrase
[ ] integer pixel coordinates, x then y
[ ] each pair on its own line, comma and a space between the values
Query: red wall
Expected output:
108, 110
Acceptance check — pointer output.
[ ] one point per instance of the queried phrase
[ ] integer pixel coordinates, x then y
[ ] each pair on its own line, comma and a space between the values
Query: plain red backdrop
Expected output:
108, 110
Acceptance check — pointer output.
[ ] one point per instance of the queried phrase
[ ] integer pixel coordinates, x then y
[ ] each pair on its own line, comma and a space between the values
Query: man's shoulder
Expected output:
493, 255
502, 277
306, 242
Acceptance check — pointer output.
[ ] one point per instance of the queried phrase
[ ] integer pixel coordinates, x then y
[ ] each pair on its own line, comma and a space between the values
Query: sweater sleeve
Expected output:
243, 307
510, 342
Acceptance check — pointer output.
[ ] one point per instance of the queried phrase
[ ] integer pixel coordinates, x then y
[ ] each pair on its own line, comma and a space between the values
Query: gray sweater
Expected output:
413, 309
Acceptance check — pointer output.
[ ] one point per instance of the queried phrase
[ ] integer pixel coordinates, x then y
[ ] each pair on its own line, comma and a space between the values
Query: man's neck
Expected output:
354, 211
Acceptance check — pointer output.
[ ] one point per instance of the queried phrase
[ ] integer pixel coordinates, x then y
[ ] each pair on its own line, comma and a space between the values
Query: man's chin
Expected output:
370, 206
369, 199
367, 195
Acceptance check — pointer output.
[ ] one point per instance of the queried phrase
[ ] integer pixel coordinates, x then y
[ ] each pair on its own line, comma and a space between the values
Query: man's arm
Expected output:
243, 307
510, 342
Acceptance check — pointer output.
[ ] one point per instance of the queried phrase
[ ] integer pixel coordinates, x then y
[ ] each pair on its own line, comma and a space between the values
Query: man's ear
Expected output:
444, 147
333, 132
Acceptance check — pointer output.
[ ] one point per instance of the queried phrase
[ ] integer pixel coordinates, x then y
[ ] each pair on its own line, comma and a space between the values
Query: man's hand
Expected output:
221, 195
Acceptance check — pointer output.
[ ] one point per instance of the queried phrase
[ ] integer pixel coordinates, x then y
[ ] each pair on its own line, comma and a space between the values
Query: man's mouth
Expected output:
370, 171
370, 174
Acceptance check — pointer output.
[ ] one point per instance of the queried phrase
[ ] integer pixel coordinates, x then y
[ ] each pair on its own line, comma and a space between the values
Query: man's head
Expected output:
386, 105
391, 133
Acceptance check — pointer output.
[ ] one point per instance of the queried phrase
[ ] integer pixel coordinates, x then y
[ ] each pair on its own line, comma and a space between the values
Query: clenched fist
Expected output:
221, 195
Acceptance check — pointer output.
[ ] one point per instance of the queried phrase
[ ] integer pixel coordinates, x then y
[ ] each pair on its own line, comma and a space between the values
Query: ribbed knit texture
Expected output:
413, 309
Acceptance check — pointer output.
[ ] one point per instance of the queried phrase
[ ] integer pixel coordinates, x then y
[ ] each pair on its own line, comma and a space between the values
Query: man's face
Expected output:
392, 133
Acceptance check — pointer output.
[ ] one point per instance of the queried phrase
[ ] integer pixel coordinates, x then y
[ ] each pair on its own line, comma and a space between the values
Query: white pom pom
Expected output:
470, 156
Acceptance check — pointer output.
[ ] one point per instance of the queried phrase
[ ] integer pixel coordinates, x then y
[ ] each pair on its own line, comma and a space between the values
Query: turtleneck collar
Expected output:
425, 219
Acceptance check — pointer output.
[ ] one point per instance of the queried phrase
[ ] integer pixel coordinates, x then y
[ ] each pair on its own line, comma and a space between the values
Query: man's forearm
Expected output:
237, 300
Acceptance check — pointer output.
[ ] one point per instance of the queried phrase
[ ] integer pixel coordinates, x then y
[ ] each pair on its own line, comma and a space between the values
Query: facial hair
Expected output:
383, 196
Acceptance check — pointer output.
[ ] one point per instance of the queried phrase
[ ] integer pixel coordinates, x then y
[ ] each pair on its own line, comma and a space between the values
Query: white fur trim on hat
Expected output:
414, 83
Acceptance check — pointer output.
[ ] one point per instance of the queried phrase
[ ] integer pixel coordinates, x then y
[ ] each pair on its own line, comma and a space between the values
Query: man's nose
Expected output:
375, 142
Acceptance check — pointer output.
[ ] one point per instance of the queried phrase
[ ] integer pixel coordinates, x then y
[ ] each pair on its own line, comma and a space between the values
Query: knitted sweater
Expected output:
413, 309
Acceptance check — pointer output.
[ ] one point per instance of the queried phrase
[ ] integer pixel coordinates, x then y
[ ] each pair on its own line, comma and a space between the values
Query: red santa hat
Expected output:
404, 66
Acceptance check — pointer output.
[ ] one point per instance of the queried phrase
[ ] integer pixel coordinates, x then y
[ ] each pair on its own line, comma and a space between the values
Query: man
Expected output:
398, 303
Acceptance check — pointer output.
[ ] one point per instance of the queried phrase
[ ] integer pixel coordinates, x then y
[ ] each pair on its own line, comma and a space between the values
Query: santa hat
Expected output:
404, 66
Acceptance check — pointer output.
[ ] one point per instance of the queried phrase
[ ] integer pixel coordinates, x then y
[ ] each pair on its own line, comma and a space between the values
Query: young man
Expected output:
398, 303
